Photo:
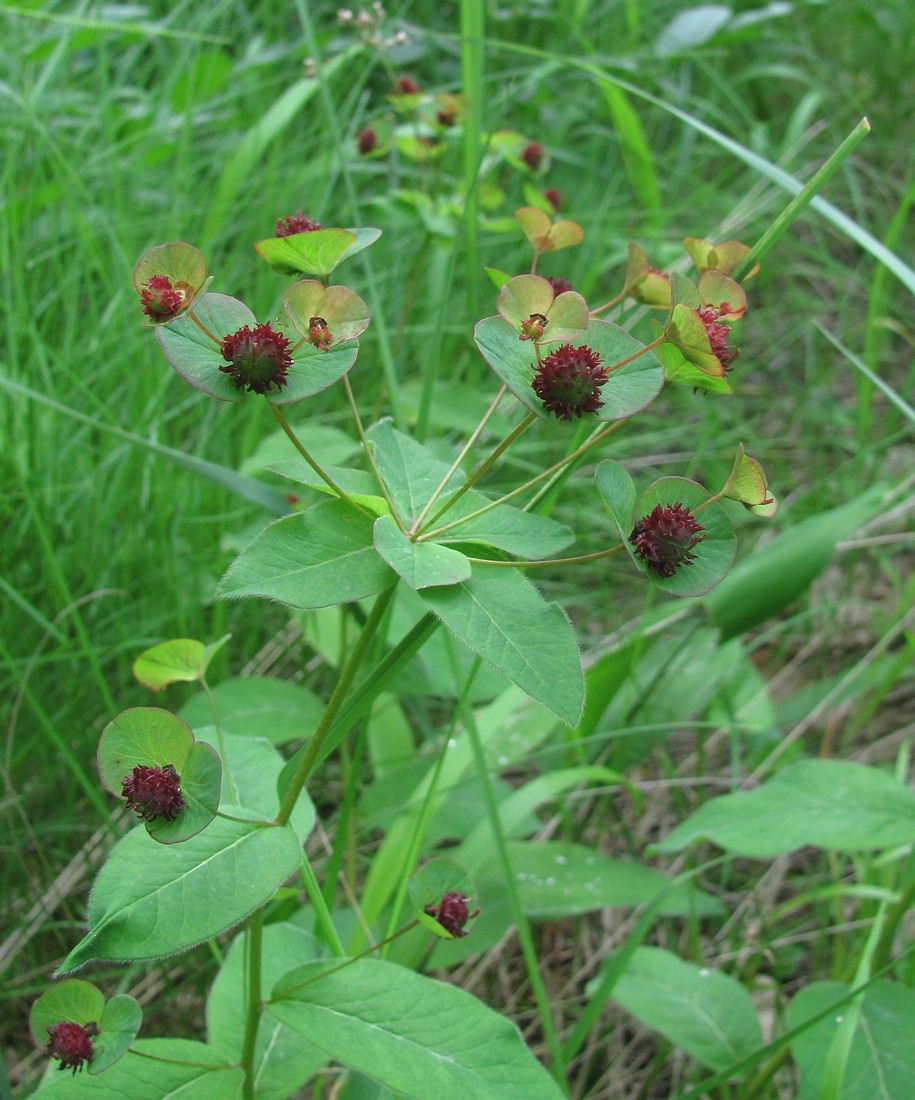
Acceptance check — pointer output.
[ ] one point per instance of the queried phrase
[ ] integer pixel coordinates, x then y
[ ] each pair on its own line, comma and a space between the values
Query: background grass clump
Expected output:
124, 126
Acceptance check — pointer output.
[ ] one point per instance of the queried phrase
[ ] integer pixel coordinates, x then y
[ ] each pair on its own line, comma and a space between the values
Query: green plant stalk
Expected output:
487, 463
322, 912
528, 950
465, 450
344, 683
783, 222
233, 790
326, 478
473, 30
253, 998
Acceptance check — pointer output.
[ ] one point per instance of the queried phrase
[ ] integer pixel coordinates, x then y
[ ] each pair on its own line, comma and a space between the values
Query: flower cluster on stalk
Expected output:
153, 792
257, 359
71, 1043
665, 538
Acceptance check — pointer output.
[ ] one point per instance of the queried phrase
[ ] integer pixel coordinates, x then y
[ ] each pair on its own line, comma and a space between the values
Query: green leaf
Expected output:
315, 253
179, 660
544, 234
828, 803
258, 706
313, 370
421, 1038
560, 879
343, 311
255, 766
283, 1059
627, 390
321, 557
499, 615
565, 315
687, 332
618, 490
158, 1069
705, 1012
713, 555
156, 737
881, 1061
73, 1000
194, 355
420, 565
412, 473
151, 900
766, 581
118, 1028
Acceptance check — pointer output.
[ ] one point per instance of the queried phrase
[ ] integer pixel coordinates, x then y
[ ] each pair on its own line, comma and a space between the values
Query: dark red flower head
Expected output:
257, 358
452, 912
555, 197
295, 223
72, 1043
406, 85
532, 155
665, 538
368, 141
718, 334
568, 381
559, 283
319, 334
162, 299
153, 792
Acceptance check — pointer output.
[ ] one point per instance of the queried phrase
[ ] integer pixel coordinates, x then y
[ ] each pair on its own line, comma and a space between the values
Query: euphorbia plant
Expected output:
410, 541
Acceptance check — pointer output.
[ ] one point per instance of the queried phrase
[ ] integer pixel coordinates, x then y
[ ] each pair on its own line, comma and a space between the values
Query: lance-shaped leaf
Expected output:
316, 253
544, 234
149, 737
747, 483
499, 615
318, 558
325, 316
417, 1037
627, 390
536, 312
150, 900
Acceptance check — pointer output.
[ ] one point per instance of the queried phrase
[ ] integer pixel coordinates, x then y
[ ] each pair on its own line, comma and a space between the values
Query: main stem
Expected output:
340, 692
253, 999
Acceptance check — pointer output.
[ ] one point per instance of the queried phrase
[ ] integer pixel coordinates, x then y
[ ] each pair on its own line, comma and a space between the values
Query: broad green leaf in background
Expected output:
175, 661
150, 900
315, 559
421, 1038
762, 583
255, 766
828, 803
420, 565
499, 615
627, 390
705, 1012
156, 1069
410, 471
881, 1061
258, 706
283, 1060
559, 878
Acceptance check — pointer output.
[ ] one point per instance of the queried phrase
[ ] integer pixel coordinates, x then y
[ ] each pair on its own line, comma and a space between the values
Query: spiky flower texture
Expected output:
257, 358
72, 1043
568, 381
665, 538
154, 792
162, 299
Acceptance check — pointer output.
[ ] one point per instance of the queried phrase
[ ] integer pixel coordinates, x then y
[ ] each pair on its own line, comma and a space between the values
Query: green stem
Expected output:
635, 355
323, 918
485, 465
360, 430
556, 469
577, 560
253, 1006
193, 316
460, 458
525, 938
326, 478
230, 782
607, 305
340, 692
